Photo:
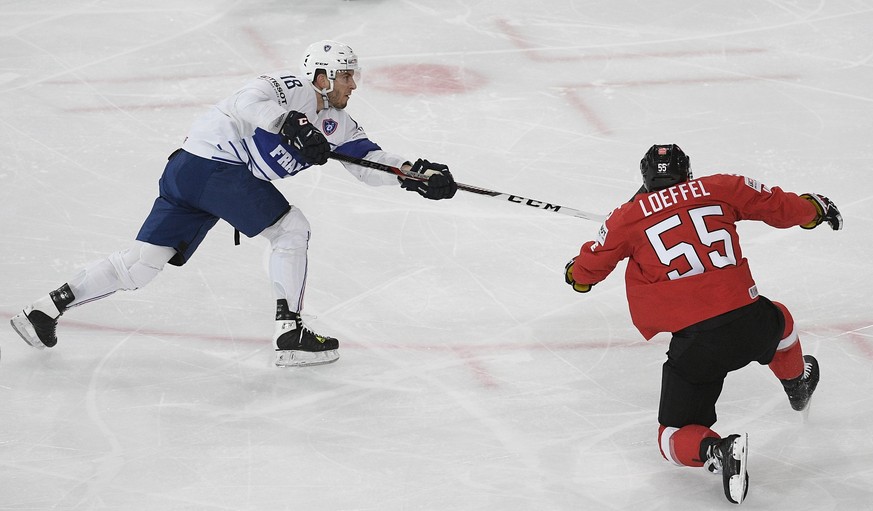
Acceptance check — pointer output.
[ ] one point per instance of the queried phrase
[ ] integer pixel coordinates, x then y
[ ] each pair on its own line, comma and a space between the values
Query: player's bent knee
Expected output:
789, 334
140, 263
291, 232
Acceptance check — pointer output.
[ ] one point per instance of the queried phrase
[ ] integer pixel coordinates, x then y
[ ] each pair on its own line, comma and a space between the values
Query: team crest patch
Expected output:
328, 126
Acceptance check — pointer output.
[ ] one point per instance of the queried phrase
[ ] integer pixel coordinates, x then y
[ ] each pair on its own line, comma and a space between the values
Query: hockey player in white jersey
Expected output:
274, 127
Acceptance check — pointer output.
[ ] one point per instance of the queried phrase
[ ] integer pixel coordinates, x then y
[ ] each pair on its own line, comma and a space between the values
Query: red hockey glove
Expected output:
826, 211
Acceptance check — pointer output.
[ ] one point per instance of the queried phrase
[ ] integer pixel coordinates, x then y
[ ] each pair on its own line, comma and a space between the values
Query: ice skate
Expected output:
297, 345
800, 389
727, 456
37, 323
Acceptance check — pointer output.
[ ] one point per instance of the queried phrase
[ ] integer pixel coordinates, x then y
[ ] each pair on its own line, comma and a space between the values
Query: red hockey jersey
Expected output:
685, 262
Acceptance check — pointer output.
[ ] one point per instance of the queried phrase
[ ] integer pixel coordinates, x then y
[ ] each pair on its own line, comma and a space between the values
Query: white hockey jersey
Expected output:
244, 129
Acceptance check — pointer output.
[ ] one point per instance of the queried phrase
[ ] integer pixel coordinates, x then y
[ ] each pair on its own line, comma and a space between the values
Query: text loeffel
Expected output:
671, 196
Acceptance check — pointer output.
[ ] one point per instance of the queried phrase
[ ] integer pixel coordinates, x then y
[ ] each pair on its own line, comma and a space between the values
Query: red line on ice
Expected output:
535, 53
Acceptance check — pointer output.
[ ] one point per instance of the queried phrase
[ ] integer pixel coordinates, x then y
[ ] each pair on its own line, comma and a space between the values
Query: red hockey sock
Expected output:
682, 445
787, 363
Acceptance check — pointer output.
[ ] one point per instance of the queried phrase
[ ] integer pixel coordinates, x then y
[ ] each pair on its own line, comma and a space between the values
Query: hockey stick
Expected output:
516, 199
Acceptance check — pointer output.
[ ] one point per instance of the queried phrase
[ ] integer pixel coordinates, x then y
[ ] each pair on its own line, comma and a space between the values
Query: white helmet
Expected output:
332, 56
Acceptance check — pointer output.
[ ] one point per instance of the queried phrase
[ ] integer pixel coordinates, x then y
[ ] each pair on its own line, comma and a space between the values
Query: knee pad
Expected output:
140, 263
291, 232
789, 335
125, 270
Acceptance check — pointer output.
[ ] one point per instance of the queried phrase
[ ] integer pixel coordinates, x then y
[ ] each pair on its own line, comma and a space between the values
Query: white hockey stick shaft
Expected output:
515, 199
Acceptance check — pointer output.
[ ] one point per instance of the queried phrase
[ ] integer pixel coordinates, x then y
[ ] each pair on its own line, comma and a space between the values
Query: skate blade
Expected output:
24, 328
738, 484
292, 358
804, 414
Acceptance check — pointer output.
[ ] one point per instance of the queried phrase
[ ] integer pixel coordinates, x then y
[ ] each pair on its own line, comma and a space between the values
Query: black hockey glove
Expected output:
300, 133
826, 211
568, 278
437, 183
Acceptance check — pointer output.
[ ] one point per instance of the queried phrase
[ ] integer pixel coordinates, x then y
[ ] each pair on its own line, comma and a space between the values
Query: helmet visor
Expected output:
347, 77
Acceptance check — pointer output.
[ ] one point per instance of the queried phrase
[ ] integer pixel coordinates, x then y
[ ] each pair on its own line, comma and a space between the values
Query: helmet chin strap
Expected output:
324, 100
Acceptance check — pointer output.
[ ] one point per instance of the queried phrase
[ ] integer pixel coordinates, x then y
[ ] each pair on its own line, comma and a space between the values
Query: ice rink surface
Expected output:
471, 377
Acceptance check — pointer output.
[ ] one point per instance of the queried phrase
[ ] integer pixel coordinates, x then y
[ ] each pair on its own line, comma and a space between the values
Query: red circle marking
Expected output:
423, 78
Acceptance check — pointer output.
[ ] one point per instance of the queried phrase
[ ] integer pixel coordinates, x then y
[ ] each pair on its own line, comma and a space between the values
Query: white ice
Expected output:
471, 377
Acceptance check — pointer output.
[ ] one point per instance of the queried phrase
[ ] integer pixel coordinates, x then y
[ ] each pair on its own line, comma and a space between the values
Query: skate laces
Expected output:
304, 330
318, 337
713, 461
807, 370
713, 465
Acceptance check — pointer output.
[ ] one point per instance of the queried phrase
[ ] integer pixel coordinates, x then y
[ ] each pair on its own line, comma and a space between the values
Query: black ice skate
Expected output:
728, 457
37, 323
800, 389
297, 345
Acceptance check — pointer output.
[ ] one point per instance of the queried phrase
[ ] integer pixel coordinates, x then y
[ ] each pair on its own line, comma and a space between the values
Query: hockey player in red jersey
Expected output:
686, 275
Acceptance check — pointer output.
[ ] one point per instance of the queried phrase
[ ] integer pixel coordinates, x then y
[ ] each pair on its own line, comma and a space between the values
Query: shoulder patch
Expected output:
601, 234
753, 184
